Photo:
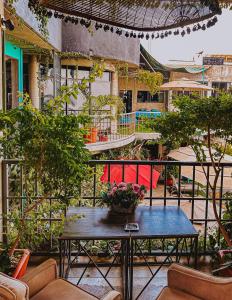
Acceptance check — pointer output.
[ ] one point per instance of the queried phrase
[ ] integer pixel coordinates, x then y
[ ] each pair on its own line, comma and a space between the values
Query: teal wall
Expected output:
16, 53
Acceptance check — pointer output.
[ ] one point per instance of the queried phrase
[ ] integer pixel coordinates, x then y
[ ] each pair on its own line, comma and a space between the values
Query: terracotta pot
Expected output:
22, 264
103, 138
93, 135
87, 138
169, 182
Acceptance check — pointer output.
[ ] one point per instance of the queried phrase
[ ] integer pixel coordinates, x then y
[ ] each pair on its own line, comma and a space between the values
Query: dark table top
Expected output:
154, 222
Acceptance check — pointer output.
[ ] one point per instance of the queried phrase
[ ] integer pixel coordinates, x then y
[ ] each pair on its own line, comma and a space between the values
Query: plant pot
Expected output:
93, 135
87, 138
118, 209
22, 264
103, 138
90, 136
169, 182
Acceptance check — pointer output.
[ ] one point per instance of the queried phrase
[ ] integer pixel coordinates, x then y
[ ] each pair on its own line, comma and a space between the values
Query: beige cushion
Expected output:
13, 287
60, 289
173, 294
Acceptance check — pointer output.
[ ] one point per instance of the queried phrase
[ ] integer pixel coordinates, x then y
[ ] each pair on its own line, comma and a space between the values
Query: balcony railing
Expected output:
190, 193
107, 128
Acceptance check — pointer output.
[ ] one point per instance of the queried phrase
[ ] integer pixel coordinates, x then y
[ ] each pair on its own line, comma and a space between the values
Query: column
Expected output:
1, 50
209, 93
1, 106
33, 81
170, 105
114, 92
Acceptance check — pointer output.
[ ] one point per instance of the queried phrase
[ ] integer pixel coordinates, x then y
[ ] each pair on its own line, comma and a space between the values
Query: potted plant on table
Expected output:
124, 197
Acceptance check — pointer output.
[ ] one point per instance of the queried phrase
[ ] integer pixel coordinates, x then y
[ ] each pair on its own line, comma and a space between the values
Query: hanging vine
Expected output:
152, 80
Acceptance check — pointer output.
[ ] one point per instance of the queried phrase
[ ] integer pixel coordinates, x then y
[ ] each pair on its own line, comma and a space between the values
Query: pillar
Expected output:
209, 93
33, 81
170, 105
1, 106
1, 56
114, 92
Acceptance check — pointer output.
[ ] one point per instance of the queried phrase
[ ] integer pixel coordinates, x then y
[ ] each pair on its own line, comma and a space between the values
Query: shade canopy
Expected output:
139, 15
185, 84
145, 175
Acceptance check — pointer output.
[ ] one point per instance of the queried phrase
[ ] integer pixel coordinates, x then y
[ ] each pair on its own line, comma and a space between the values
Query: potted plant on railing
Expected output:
124, 197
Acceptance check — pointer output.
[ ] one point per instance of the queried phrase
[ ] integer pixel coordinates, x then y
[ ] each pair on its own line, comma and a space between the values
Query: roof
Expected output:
138, 15
185, 84
186, 154
151, 63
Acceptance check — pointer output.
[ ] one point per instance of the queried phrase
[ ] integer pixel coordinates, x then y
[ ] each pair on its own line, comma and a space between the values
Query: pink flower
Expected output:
113, 191
124, 188
136, 188
122, 184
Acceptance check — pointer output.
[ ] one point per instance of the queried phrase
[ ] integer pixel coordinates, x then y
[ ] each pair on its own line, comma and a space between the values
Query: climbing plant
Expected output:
152, 80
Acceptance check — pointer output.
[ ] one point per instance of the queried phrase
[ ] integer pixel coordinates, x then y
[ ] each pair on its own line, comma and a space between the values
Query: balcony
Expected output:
108, 132
193, 197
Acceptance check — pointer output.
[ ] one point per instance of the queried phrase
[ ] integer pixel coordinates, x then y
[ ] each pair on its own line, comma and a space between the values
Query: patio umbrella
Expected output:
114, 174
185, 84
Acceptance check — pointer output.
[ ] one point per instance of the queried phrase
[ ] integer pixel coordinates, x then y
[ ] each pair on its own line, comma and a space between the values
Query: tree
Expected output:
51, 148
193, 118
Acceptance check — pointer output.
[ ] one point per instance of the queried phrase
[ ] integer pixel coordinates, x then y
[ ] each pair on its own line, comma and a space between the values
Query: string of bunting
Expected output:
131, 34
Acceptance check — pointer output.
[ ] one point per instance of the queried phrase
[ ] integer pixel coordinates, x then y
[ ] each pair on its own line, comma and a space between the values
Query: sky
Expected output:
214, 40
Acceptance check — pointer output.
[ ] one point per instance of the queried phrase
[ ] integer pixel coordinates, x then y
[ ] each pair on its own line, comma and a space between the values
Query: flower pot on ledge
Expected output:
91, 135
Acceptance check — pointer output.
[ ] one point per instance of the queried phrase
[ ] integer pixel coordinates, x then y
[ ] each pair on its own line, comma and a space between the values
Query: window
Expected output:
146, 97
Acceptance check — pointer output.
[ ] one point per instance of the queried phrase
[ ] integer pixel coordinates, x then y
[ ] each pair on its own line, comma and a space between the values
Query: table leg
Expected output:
131, 267
126, 274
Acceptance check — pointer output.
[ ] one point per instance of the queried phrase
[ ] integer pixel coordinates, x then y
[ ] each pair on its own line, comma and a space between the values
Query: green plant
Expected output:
193, 118
152, 80
51, 148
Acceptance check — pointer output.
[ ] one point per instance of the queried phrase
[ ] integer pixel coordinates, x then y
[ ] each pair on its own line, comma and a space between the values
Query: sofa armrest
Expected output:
6, 294
40, 276
199, 284
113, 295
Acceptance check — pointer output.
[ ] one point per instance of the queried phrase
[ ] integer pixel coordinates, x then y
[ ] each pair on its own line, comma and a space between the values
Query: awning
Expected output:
186, 154
138, 15
184, 84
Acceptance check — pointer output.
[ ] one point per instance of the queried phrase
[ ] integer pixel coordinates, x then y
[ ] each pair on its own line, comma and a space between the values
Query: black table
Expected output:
156, 222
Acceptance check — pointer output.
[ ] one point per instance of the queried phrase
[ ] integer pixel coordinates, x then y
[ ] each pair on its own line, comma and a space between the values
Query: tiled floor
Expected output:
94, 283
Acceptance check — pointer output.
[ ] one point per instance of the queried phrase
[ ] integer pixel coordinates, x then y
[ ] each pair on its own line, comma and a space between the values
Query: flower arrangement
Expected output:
124, 197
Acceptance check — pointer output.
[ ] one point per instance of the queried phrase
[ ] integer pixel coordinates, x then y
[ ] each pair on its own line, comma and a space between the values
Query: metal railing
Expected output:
190, 191
108, 128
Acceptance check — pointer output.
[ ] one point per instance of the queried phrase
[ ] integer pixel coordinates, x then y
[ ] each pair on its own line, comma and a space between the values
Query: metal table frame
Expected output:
124, 256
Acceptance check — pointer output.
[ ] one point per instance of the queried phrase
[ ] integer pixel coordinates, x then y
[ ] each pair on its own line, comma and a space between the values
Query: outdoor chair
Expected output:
188, 284
42, 283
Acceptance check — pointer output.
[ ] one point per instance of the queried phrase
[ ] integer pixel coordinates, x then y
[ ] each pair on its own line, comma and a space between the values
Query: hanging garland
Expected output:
42, 15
